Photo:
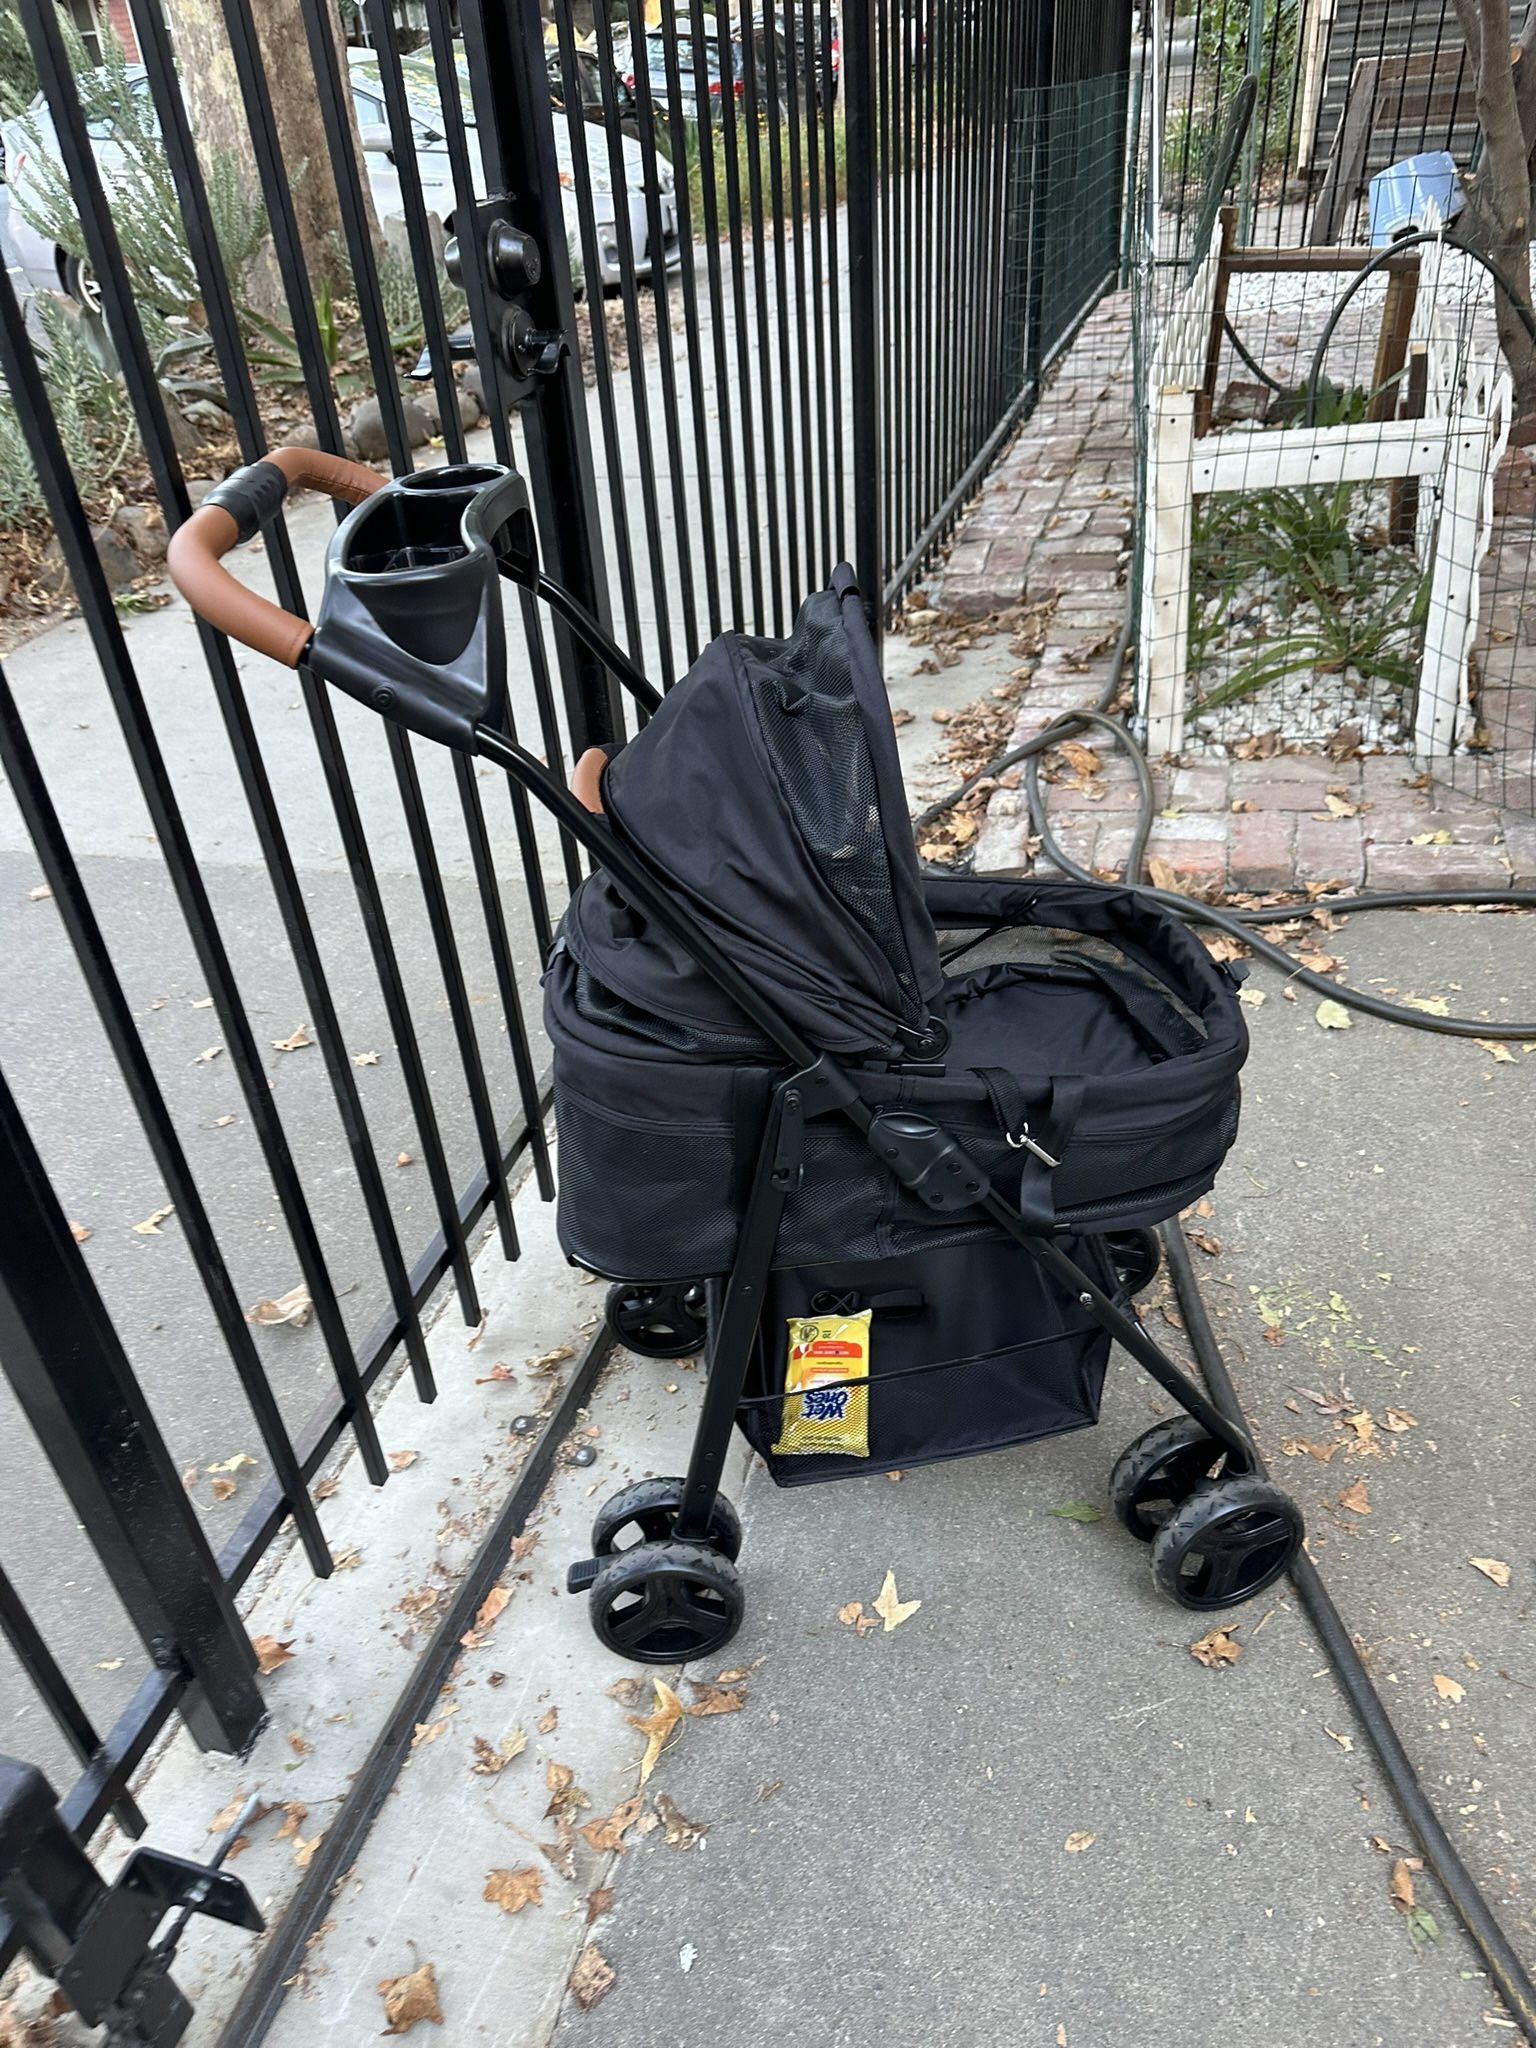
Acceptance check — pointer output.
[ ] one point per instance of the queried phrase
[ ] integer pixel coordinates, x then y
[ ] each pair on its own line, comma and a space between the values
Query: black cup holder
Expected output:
411, 620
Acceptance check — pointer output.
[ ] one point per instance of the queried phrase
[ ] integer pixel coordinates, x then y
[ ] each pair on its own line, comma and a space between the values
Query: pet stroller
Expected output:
801, 1088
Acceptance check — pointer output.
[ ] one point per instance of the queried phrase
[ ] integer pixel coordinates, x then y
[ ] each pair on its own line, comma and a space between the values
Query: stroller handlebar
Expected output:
231, 514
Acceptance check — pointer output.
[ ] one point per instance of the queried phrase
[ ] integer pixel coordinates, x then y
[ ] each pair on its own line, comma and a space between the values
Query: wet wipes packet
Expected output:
821, 1413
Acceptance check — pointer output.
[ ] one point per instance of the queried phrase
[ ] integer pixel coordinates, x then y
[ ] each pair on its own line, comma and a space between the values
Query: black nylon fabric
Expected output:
761, 789
652, 1148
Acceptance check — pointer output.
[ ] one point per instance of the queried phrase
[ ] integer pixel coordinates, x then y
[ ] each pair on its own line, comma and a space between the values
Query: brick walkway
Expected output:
1056, 521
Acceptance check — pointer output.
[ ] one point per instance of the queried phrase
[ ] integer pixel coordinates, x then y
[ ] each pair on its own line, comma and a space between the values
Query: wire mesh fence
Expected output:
1336, 537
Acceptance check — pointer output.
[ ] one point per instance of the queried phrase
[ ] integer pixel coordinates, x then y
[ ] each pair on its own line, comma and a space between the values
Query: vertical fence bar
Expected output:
863, 302
72, 1379
56, 1693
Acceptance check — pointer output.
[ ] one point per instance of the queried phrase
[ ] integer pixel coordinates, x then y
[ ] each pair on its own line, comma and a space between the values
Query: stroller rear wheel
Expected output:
664, 1603
646, 1512
1136, 1256
1227, 1542
666, 1321
1157, 1472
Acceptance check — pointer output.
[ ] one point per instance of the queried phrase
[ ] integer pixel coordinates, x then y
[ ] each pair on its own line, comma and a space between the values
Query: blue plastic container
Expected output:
1400, 193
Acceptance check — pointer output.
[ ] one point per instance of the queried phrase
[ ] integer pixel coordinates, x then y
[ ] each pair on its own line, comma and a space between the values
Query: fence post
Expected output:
864, 340
76, 1387
1165, 596
515, 119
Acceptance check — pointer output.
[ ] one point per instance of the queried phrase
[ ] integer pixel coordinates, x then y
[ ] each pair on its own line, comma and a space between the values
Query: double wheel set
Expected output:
1217, 1536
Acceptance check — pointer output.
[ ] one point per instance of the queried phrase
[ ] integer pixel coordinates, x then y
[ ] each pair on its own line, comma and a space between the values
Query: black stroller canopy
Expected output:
767, 789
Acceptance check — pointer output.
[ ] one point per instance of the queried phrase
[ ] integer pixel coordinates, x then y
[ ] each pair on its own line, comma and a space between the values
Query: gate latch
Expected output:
511, 265
98, 1941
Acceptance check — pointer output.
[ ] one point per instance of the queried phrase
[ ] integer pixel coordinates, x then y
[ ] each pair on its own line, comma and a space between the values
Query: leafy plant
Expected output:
18, 76
146, 208
1221, 60
89, 407
1346, 598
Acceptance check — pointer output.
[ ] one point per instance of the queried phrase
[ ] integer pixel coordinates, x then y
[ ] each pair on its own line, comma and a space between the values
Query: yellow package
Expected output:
820, 1412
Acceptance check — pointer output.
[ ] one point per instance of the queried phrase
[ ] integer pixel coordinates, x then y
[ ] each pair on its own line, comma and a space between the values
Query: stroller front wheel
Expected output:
1159, 1471
646, 1512
668, 1320
666, 1603
1227, 1542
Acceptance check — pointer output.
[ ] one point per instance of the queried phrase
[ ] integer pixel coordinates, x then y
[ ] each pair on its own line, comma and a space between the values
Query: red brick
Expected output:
1201, 788
1311, 768
1393, 822
1262, 850
1436, 867
1520, 849
1328, 849
1280, 796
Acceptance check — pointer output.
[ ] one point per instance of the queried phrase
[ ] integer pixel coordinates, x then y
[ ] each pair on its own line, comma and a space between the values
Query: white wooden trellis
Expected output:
1453, 449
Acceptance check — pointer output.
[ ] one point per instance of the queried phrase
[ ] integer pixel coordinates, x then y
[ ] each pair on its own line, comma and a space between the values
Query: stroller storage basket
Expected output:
972, 1349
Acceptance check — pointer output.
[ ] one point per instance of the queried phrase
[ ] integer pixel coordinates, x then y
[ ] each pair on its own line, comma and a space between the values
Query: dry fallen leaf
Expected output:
1400, 1885
295, 1813
150, 1227
599, 1903
1496, 1051
1075, 1844
293, 1309
607, 1836
1398, 1419
80, 1232
270, 1653
410, 1999
593, 1977
489, 1762
1300, 1446
853, 1616
1356, 1498
1204, 1241
294, 1042
491, 1606
714, 1699
1492, 1568
565, 1795
1080, 759
1333, 1016
549, 1722
657, 1725
514, 1889
223, 1489
41, 894
404, 1159
627, 1691
1344, 1741
1216, 1648
304, 1852
682, 1833
891, 1608
365, 1059
1449, 1689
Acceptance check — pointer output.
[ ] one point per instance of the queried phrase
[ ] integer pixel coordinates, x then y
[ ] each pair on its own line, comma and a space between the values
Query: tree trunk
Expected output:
218, 120
1499, 192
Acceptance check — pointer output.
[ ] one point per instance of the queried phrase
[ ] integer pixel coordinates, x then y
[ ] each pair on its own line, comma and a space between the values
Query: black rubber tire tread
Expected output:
627, 1569
661, 1498
1141, 1458
1181, 1533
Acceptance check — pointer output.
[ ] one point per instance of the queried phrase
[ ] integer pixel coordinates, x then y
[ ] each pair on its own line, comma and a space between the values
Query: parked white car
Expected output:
40, 265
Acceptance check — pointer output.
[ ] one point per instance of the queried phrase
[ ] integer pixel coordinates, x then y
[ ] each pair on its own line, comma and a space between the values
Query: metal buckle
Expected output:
1023, 1142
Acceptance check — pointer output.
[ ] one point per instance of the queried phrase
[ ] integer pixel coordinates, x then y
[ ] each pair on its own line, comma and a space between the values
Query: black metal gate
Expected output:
741, 297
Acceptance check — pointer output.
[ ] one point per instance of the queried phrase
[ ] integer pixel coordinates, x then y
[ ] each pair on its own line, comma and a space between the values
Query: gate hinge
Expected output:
98, 1940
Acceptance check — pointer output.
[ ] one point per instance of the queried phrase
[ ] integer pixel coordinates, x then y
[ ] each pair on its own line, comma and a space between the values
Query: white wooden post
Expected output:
1476, 431
1165, 599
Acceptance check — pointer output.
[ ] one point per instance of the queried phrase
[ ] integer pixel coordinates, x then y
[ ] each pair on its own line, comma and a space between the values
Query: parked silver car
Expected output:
38, 263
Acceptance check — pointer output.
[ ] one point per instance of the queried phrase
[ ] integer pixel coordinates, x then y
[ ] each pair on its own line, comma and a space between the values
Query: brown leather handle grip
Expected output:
193, 556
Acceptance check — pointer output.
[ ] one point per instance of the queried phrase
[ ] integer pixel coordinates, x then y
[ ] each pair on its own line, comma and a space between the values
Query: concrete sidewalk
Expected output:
872, 1840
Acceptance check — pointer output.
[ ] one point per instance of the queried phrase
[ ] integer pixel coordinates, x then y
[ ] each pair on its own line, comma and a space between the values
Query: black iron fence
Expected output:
740, 297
